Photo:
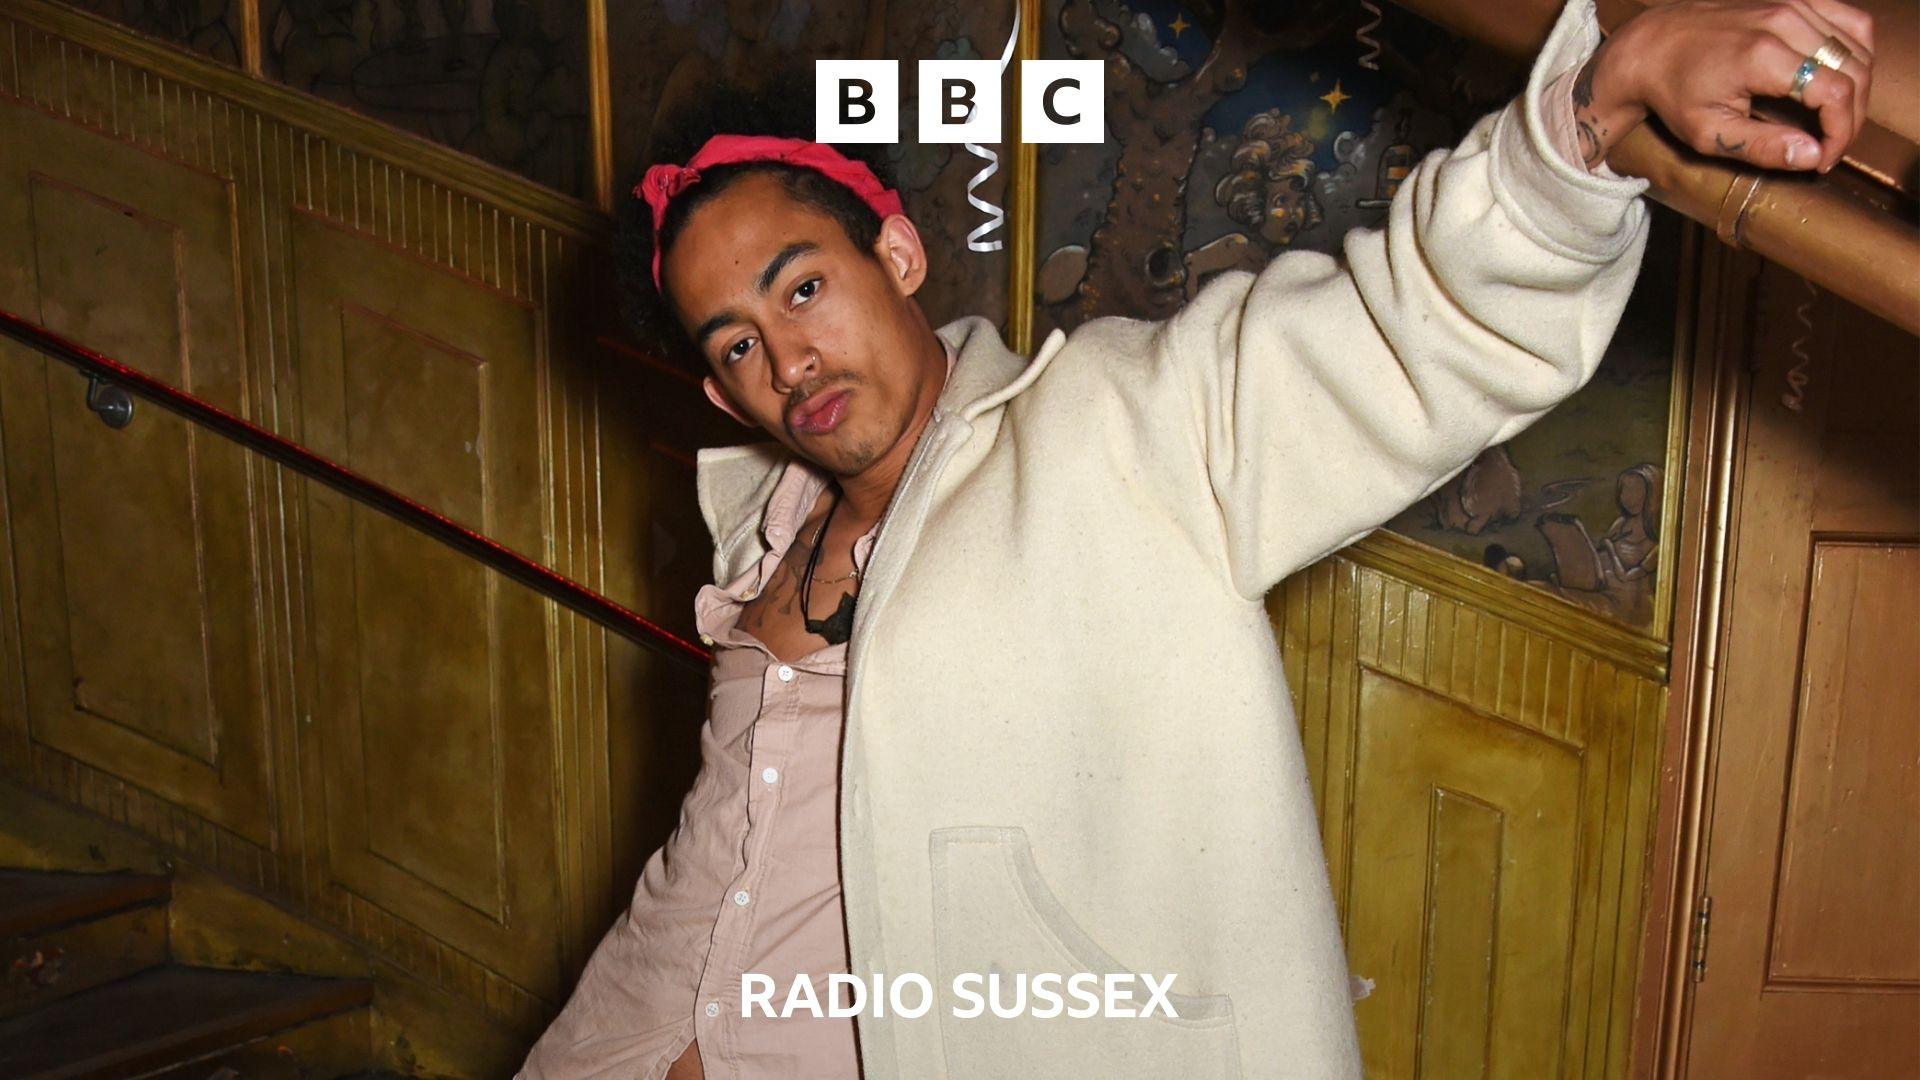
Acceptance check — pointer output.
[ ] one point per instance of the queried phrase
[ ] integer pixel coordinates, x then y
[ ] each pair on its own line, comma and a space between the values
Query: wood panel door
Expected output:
433, 695
135, 554
1462, 905
1812, 945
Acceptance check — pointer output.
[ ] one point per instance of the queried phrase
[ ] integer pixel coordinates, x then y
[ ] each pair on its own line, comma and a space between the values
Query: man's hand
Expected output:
1698, 64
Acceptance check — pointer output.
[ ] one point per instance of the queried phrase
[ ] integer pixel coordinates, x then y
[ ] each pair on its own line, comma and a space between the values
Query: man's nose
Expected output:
794, 359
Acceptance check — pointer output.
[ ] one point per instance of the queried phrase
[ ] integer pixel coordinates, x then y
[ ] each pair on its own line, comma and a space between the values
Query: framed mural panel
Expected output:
503, 80
212, 28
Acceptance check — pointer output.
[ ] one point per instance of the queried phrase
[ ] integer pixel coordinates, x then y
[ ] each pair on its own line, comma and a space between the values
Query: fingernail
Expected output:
1798, 154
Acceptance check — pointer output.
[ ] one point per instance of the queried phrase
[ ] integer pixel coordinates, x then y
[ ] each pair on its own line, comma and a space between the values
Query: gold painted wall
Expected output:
250, 669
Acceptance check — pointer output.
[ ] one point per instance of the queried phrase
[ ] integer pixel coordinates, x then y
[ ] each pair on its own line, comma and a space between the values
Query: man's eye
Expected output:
739, 349
806, 289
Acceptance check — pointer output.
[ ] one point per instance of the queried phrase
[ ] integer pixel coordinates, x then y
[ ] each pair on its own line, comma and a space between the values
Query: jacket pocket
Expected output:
993, 914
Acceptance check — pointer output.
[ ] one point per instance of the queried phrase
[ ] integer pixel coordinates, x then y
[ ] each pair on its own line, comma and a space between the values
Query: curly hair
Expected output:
1270, 154
781, 106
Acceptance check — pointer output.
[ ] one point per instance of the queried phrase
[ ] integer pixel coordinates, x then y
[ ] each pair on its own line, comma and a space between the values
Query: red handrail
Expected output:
575, 596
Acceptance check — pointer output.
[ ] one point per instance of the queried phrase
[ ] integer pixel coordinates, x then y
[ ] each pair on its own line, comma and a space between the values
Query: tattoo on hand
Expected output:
1589, 143
1592, 134
1725, 147
1583, 82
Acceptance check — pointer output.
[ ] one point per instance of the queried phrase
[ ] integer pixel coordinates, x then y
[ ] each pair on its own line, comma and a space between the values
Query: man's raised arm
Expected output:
1331, 393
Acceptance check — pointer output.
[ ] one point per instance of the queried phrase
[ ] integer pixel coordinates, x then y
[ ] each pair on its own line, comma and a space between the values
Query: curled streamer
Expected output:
1797, 376
995, 215
1371, 58
976, 239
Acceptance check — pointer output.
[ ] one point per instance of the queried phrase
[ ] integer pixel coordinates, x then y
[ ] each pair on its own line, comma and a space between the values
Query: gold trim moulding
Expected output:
1524, 605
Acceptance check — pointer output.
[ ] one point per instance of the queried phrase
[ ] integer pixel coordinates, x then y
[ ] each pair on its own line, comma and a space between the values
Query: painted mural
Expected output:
503, 80
1240, 130
1572, 505
208, 27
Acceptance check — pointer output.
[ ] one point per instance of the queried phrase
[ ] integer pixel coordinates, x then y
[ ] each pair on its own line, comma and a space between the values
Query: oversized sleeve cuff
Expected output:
1564, 207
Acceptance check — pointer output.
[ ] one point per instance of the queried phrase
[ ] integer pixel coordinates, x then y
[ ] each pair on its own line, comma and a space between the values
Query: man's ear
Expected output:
718, 395
899, 249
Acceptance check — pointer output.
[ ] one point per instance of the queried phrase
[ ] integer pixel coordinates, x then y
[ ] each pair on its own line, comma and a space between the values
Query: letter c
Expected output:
1046, 101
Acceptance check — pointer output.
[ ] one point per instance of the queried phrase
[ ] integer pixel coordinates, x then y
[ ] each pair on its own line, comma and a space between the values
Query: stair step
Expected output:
32, 901
77, 957
164, 1016
62, 934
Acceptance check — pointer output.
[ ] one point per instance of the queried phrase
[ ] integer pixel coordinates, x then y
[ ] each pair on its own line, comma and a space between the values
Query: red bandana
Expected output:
663, 182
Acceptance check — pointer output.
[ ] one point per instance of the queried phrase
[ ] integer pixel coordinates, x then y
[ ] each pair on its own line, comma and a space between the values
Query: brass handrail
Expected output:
563, 590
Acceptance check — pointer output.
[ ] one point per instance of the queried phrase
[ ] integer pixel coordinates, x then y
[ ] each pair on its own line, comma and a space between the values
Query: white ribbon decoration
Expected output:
995, 215
1370, 59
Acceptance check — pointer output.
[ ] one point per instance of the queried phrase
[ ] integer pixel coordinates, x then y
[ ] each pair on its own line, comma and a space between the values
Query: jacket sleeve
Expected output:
1331, 393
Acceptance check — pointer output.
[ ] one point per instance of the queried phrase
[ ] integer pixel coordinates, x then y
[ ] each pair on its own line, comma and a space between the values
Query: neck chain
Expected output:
837, 627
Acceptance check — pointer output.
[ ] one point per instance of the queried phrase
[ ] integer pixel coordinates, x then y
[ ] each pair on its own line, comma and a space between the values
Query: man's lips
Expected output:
820, 413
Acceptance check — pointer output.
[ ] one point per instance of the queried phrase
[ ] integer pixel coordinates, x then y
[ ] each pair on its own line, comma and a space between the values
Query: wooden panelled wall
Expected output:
336, 713
277, 682
1484, 763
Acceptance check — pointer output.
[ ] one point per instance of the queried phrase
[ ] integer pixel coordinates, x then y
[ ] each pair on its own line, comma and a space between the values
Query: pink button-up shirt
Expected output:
750, 880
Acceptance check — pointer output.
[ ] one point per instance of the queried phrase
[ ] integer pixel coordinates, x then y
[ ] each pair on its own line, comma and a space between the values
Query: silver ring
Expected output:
1802, 77
1831, 53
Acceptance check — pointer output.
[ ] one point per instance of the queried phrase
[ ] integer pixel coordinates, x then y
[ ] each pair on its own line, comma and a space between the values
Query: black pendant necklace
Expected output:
837, 627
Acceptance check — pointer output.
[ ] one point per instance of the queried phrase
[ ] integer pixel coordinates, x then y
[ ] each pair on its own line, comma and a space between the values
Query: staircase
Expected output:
90, 991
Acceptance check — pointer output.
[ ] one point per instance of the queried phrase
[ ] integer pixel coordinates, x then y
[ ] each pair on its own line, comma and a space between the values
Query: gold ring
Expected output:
1831, 53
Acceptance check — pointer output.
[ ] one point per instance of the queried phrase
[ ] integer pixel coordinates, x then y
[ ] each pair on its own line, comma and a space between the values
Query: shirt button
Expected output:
706, 639
770, 774
741, 898
785, 673
713, 1008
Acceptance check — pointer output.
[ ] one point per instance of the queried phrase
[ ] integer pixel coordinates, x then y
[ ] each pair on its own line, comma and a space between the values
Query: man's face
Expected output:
808, 337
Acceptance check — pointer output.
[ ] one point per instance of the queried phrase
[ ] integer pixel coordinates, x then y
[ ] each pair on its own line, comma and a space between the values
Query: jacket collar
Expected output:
735, 482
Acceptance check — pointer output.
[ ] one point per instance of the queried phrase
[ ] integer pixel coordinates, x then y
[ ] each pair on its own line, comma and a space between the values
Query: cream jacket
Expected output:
1069, 745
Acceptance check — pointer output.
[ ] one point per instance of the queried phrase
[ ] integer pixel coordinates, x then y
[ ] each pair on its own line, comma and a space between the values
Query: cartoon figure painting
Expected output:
1613, 575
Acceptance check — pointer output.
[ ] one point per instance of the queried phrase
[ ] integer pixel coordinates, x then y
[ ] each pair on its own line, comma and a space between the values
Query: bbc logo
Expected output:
858, 101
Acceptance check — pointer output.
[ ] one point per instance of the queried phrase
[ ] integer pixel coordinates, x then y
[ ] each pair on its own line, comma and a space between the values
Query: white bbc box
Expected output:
856, 101
1063, 101
941, 84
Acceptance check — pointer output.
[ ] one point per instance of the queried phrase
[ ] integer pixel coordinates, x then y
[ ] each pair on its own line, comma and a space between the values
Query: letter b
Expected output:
856, 101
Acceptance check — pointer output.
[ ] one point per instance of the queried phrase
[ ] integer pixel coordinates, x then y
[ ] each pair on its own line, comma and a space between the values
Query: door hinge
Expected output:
1702, 922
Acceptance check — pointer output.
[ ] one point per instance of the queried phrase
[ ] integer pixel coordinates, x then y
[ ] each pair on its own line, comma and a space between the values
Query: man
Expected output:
1052, 735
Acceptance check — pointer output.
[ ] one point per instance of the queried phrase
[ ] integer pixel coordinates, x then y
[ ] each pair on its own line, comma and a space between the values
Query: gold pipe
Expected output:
1023, 202
600, 104
1811, 227
250, 58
